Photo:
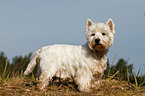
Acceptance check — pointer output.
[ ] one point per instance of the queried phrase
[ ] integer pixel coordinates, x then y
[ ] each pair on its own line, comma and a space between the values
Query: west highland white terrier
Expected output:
84, 64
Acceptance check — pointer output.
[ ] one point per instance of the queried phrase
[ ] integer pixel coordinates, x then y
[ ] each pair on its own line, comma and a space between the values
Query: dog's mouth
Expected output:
98, 46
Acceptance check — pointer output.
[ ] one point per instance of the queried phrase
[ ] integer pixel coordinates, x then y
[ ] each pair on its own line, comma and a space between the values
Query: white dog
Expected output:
84, 64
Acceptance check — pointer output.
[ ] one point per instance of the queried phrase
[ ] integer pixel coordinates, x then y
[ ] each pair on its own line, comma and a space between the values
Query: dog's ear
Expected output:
111, 24
88, 24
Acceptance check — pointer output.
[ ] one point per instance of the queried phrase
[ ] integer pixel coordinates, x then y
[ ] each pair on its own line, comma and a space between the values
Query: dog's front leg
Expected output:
83, 81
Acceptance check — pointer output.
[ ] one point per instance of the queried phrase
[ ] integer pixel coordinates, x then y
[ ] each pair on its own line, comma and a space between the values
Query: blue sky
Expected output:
27, 25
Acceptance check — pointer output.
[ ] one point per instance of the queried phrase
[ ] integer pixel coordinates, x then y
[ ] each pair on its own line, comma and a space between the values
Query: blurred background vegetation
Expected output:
125, 70
18, 64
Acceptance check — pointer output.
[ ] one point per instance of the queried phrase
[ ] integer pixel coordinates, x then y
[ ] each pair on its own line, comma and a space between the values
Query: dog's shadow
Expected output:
59, 82
69, 83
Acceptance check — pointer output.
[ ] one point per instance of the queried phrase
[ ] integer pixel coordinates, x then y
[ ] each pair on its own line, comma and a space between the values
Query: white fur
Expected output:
84, 64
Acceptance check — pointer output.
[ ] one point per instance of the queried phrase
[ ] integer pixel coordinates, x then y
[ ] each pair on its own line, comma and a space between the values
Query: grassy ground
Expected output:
118, 80
20, 86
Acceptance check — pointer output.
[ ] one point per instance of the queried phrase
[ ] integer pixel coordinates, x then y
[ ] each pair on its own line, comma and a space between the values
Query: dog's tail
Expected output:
32, 63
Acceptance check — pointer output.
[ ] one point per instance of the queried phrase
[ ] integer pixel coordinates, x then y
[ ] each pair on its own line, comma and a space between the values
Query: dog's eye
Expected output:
103, 33
93, 34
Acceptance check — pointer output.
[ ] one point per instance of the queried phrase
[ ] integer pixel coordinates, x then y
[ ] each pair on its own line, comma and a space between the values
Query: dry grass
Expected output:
21, 86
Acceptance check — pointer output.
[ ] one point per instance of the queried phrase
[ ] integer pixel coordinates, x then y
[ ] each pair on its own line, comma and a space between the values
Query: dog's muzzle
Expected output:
98, 45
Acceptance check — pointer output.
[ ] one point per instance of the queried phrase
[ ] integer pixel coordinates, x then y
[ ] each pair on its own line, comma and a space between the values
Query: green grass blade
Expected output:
21, 74
4, 73
142, 83
114, 75
112, 64
135, 80
127, 75
138, 71
127, 71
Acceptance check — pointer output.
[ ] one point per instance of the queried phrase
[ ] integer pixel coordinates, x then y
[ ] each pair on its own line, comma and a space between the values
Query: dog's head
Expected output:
100, 36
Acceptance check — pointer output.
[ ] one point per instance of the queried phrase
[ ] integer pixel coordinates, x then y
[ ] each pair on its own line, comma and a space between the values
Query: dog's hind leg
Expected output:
43, 81
46, 77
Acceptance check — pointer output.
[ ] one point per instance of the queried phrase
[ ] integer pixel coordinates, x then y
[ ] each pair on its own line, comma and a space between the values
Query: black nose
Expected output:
97, 41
